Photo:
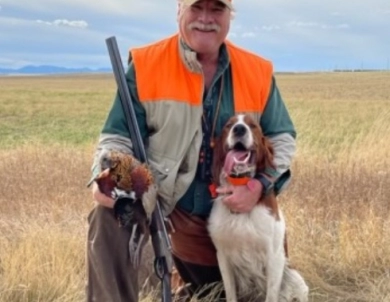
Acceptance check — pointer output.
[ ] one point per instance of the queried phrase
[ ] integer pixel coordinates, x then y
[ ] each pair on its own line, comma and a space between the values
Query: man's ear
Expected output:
179, 12
181, 7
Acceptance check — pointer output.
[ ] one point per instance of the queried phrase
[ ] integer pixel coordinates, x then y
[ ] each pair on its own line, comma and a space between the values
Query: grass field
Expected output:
337, 207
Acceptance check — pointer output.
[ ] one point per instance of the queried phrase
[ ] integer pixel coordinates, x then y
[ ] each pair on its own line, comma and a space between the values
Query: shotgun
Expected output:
160, 240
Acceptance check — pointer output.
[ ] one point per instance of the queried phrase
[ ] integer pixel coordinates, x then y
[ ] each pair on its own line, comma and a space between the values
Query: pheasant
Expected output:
132, 186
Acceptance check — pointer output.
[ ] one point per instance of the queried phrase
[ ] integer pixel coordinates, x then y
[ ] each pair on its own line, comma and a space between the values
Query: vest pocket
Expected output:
164, 171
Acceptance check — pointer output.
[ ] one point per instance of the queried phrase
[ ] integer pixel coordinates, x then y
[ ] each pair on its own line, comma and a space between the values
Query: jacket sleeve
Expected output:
115, 133
279, 128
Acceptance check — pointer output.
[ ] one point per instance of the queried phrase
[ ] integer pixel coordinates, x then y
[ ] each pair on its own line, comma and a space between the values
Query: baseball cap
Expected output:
228, 3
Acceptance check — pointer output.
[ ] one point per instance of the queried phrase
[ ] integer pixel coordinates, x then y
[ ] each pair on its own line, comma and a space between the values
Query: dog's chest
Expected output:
253, 231
246, 240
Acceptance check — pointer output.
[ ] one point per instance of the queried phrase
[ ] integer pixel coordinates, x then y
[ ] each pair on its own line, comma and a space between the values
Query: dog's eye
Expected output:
252, 125
229, 125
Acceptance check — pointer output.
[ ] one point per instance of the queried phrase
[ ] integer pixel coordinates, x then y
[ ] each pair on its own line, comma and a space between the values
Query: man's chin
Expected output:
205, 47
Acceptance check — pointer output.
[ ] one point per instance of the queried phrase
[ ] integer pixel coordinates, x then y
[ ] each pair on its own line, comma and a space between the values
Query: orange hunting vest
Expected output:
251, 74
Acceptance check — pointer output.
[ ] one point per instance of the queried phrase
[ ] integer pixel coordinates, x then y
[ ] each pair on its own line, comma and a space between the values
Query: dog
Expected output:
251, 248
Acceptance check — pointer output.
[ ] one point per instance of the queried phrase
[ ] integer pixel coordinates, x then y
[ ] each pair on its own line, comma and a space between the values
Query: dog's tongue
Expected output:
229, 161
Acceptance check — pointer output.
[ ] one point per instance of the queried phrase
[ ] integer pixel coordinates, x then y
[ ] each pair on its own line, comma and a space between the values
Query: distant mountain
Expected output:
50, 69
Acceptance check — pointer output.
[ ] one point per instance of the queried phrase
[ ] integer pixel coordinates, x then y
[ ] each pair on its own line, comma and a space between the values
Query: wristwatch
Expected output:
268, 186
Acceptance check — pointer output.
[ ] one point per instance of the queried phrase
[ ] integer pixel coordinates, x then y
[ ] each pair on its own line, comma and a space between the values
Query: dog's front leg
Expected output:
227, 273
275, 269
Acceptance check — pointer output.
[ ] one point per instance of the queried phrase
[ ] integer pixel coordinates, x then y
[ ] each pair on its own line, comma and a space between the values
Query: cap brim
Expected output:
226, 2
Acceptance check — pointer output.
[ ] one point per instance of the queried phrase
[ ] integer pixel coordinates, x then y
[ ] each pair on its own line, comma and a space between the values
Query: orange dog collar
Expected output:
213, 190
238, 181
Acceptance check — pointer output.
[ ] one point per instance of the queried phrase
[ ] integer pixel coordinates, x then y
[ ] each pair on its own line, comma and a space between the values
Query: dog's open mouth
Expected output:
239, 162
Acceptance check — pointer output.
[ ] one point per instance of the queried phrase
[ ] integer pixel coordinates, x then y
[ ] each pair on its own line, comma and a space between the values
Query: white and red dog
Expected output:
251, 247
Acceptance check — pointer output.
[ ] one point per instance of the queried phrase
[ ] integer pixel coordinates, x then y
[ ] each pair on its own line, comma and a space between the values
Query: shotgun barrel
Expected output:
160, 240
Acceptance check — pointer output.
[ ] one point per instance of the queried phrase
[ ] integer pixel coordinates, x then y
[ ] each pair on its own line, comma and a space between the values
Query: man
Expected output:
184, 88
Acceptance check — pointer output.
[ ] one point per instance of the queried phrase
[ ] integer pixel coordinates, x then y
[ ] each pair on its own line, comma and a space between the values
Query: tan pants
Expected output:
110, 276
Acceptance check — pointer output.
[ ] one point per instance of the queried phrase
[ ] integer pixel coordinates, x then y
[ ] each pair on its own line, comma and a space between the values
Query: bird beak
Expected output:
105, 173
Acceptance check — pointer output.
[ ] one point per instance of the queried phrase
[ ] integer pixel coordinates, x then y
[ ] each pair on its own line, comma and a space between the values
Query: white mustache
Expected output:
205, 27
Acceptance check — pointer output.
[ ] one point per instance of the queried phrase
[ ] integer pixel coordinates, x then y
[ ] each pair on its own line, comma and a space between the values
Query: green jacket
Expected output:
196, 199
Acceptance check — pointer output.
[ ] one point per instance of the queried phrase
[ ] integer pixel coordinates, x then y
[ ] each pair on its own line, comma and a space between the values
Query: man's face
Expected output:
205, 25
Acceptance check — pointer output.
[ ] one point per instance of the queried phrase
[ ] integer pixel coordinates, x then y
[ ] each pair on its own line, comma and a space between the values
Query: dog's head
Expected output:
241, 150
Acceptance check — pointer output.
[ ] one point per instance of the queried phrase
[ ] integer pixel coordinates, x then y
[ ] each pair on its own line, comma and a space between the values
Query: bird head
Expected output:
109, 160
106, 179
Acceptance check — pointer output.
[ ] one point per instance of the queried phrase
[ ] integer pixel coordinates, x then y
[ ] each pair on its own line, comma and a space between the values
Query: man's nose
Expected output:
205, 16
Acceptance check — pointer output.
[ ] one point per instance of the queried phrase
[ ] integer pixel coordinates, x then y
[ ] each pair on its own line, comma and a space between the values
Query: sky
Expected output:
296, 35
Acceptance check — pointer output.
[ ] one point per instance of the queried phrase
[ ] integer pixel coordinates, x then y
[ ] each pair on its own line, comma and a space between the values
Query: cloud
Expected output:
65, 22
270, 27
30, 36
317, 25
302, 24
58, 44
294, 34
145, 9
337, 26
248, 34
242, 31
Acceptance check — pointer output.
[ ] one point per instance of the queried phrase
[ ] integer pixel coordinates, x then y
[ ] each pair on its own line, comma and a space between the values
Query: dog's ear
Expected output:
218, 160
265, 154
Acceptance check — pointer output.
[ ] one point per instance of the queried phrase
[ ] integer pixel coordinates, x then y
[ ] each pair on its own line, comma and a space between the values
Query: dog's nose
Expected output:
239, 130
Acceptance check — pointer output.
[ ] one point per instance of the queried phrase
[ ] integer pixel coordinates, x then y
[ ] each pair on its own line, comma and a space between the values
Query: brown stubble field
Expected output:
337, 207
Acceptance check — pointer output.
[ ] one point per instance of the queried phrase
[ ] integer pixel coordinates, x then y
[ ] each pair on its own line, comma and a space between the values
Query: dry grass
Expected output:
337, 207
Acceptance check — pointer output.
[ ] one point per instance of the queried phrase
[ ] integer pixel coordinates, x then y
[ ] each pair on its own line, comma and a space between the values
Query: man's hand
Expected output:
241, 199
101, 198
